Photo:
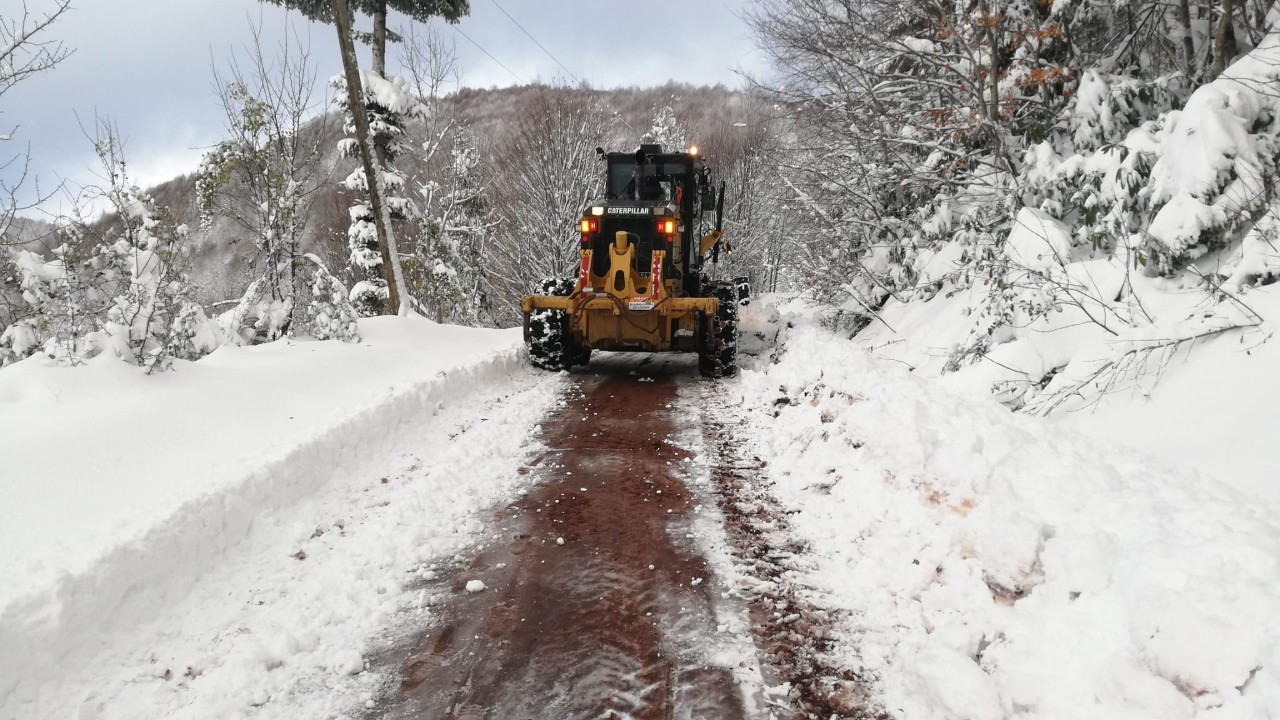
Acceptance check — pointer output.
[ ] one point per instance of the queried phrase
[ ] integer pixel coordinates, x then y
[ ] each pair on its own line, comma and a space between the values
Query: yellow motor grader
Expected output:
641, 284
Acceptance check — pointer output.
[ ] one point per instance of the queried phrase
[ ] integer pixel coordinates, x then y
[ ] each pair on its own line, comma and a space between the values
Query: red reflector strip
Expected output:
655, 276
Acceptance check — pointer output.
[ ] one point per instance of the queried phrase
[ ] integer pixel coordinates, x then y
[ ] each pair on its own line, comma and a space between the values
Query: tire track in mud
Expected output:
790, 622
595, 604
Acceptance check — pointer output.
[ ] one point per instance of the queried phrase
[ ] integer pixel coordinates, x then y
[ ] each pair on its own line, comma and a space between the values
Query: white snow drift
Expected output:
1000, 566
121, 491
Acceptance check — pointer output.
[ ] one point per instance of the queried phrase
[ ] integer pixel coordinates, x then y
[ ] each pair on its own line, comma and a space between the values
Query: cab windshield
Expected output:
654, 181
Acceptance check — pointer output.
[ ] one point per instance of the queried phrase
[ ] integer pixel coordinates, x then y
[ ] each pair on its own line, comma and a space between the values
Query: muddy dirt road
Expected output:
597, 602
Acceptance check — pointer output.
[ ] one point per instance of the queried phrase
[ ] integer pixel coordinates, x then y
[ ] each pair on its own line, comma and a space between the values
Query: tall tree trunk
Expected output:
380, 38
380, 63
994, 111
1188, 43
373, 175
1224, 40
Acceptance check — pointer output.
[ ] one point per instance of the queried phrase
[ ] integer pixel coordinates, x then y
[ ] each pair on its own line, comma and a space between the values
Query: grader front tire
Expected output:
550, 345
718, 355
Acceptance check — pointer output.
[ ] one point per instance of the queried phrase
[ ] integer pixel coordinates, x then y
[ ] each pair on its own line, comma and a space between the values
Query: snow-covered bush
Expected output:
330, 313
55, 320
1217, 166
318, 305
124, 290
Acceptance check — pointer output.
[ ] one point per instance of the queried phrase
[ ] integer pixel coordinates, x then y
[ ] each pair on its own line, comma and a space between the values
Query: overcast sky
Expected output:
146, 65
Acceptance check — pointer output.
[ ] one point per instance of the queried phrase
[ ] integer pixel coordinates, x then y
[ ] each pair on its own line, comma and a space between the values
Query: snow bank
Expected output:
1214, 405
120, 489
299, 619
996, 565
1210, 402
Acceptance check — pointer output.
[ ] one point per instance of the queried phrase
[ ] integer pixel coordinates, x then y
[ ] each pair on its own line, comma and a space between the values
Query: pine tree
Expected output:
417, 10
373, 156
389, 106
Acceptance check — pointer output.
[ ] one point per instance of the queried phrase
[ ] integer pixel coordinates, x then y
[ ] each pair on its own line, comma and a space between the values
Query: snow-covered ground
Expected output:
1212, 403
1002, 566
228, 535
229, 539
1215, 406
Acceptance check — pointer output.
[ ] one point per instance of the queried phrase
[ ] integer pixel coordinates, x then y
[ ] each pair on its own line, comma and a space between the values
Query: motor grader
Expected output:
641, 283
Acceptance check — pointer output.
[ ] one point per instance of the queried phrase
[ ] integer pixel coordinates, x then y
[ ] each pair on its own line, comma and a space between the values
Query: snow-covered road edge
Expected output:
61, 625
998, 566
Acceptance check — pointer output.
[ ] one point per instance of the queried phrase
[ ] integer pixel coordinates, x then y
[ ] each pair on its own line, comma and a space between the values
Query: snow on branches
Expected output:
934, 145
123, 290
390, 106
263, 178
446, 272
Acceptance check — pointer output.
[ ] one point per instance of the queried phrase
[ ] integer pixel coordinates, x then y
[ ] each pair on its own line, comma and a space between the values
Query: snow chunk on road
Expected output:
950, 686
475, 586
347, 662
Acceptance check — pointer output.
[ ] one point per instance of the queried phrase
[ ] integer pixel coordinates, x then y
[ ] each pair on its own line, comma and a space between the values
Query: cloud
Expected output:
146, 64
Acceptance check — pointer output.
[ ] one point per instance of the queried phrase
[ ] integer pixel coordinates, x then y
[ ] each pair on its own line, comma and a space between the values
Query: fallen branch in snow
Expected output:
1108, 373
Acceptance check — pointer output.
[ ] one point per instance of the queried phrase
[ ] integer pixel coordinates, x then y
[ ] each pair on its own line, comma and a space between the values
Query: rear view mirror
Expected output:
708, 199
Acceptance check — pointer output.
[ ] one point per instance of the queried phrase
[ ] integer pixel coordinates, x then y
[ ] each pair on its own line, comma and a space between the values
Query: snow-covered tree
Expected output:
666, 130
374, 216
264, 178
547, 173
390, 106
123, 289
457, 222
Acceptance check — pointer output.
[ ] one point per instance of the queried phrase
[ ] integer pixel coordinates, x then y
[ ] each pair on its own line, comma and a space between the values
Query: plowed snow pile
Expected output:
224, 536
999, 566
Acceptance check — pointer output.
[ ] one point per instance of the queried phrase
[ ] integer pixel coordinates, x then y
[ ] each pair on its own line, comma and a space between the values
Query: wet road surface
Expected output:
597, 602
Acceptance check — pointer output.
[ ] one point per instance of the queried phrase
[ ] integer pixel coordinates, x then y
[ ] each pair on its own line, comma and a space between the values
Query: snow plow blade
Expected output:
674, 307
606, 322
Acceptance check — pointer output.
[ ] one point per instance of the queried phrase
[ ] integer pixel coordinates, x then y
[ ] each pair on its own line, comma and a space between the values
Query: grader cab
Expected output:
641, 284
